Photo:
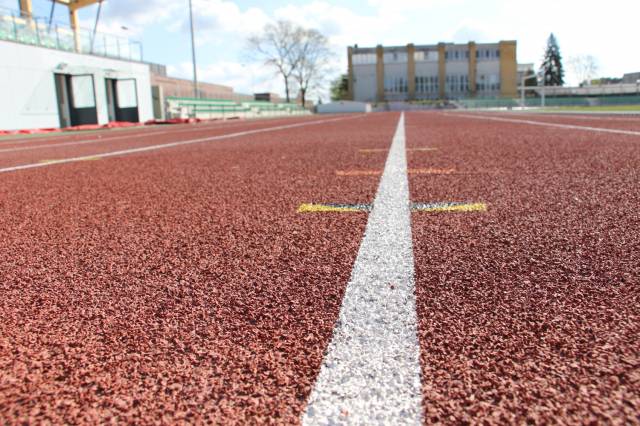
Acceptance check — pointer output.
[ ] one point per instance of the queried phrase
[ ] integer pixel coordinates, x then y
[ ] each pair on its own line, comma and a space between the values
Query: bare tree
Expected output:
312, 57
584, 67
276, 47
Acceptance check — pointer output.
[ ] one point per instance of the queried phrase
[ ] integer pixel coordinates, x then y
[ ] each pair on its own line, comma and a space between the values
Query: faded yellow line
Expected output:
431, 171
372, 150
421, 149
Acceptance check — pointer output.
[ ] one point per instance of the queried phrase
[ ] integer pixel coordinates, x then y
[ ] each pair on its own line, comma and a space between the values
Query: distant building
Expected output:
442, 71
631, 78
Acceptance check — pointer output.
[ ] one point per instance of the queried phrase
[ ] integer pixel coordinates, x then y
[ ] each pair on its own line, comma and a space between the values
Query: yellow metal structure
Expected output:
26, 10
74, 6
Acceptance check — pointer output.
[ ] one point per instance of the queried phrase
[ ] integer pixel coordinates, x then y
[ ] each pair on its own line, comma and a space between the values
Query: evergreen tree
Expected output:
551, 72
340, 88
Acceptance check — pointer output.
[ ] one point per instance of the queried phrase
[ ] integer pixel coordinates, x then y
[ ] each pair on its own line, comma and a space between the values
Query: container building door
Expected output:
76, 100
122, 100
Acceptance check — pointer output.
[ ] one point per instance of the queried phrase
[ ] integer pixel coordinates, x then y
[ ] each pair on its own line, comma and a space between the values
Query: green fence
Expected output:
560, 101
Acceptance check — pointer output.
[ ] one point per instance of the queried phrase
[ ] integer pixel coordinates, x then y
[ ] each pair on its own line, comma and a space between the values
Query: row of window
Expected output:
457, 83
488, 83
456, 55
364, 58
428, 56
429, 84
454, 83
397, 57
395, 85
488, 54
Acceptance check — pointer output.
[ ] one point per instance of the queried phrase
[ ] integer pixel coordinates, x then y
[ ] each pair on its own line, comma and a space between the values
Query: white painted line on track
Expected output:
169, 145
541, 123
371, 371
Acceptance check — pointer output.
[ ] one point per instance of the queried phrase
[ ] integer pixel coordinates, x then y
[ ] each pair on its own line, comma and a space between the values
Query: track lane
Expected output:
631, 124
60, 151
528, 312
69, 136
181, 284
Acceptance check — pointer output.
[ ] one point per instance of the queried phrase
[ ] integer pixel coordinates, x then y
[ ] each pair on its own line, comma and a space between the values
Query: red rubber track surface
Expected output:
79, 135
529, 312
619, 122
179, 284
27, 153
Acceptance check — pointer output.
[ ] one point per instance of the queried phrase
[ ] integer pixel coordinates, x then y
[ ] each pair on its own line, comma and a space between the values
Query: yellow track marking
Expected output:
372, 150
431, 171
421, 149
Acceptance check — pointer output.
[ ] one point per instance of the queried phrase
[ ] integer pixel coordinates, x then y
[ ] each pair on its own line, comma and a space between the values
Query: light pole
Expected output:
193, 55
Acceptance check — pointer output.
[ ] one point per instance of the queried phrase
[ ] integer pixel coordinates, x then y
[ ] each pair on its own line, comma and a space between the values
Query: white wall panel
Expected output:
27, 87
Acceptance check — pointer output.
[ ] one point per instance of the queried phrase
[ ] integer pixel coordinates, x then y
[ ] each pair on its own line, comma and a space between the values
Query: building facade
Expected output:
442, 71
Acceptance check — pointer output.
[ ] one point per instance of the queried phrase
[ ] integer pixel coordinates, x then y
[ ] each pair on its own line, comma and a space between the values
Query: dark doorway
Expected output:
62, 92
76, 100
122, 100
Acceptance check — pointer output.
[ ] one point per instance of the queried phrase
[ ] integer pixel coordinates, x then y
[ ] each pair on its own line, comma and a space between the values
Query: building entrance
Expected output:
122, 100
76, 100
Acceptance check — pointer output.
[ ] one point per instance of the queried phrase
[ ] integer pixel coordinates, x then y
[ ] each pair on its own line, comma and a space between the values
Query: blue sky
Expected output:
608, 31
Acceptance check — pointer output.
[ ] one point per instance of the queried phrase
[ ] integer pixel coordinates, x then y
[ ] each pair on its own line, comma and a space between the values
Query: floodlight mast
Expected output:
193, 54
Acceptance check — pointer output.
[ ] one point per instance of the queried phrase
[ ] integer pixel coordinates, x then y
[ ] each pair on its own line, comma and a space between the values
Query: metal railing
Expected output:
560, 101
37, 31
221, 109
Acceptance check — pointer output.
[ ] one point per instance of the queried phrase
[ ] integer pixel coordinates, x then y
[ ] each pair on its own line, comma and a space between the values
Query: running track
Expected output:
164, 274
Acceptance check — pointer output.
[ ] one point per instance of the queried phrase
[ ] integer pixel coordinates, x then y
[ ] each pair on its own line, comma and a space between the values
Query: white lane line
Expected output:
541, 123
169, 145
371, 371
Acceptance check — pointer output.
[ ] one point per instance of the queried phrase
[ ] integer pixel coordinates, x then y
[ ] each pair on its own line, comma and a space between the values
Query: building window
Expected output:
427, 84
395, 57
364, 58
395, 85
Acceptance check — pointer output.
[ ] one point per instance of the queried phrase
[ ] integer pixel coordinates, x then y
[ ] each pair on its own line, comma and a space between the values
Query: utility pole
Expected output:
193, 55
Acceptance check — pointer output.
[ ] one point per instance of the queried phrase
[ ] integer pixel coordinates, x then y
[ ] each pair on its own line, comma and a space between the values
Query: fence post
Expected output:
15, 28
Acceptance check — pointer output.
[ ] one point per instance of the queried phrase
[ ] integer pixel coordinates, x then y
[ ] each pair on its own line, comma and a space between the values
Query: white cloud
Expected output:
469, 30
243, 77
135, 16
